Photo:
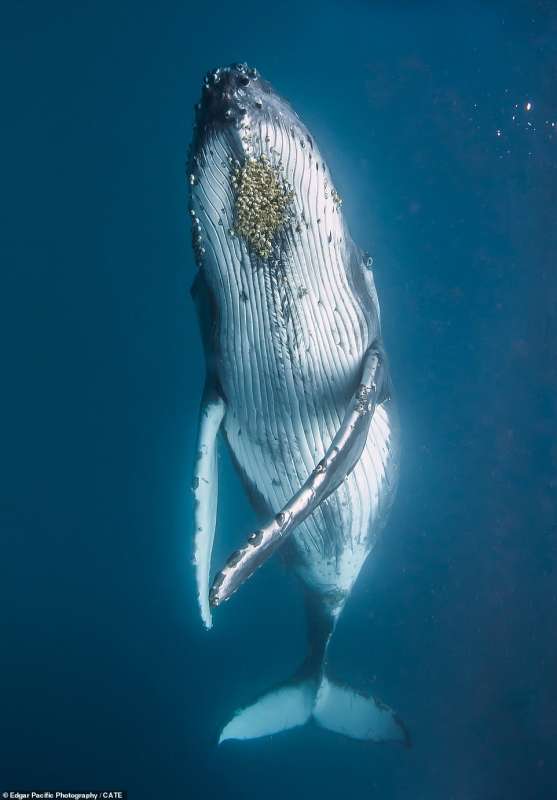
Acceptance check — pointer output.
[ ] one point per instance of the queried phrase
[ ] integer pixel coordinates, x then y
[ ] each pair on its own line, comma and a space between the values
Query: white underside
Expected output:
342, 710
277, 711
287, 374
335, 708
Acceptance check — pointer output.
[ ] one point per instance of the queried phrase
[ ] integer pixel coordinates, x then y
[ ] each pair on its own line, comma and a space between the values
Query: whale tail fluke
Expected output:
343, 710
334, 707
311, 695
281, 709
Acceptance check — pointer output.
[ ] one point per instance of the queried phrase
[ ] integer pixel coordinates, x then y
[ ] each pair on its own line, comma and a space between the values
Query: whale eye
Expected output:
244, 80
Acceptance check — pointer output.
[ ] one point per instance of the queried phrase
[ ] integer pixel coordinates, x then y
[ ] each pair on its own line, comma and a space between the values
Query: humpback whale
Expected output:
297, 384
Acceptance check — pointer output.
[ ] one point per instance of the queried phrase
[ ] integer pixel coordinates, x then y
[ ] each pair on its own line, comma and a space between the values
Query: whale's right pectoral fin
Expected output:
340, 459
205, 490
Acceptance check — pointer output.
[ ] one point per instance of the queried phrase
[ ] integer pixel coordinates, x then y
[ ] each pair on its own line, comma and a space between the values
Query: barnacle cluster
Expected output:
262, 202
337, 200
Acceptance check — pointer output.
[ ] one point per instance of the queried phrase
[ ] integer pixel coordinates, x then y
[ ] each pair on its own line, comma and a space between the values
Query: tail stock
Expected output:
311, 695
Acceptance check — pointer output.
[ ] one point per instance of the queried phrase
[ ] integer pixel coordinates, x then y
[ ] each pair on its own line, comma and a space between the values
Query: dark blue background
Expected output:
107, 678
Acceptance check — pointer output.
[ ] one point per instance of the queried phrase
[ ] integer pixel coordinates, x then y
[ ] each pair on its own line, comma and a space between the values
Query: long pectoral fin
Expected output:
205, 489
341, 457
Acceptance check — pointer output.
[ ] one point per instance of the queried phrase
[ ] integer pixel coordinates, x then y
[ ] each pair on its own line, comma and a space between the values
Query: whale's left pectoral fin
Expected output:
340, 459
205, 490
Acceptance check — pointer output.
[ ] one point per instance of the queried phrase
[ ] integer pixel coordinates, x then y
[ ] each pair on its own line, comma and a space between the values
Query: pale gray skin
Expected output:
296, 367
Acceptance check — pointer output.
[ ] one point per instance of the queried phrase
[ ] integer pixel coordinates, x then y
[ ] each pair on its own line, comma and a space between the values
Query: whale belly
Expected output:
288, 367
293, 330
329, 548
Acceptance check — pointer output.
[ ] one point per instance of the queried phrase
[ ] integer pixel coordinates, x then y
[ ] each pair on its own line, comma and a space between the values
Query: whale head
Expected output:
238, 99
255, 172
230, 94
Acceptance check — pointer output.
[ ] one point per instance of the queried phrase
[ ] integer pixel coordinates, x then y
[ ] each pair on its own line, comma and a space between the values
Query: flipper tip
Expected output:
206, 616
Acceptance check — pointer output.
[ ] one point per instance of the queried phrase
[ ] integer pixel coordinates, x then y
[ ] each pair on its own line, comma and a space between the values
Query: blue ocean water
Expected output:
438, 122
